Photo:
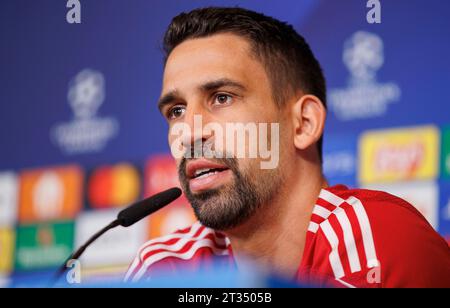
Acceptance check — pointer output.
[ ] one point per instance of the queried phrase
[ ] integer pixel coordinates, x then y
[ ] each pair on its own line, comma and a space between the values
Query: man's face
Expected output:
218, 79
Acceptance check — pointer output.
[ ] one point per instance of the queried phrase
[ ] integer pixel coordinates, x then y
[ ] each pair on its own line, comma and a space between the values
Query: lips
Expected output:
204, 175
202, 168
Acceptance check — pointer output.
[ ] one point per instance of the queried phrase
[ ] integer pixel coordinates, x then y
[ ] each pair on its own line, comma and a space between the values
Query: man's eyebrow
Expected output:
209, 86
167, 99
223, 82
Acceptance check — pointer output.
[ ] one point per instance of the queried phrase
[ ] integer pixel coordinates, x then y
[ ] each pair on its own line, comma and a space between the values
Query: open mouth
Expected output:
204, 175
201, 168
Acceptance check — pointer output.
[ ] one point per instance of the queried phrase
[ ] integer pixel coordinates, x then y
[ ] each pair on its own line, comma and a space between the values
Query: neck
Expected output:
274, 238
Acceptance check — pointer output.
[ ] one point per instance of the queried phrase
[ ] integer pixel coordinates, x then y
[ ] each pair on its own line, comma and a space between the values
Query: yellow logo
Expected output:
6, 250
399, 155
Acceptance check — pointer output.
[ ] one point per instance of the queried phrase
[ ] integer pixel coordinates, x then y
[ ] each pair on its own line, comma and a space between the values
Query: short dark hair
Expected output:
288, 60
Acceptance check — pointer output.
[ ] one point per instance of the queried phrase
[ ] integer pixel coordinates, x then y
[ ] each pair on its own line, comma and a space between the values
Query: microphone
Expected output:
141, 209
128, 217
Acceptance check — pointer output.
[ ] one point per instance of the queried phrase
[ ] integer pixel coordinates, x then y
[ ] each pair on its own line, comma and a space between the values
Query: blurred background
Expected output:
81, 136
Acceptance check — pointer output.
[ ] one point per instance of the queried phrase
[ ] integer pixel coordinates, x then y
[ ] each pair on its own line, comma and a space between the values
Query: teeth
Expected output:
199, 171
206, 175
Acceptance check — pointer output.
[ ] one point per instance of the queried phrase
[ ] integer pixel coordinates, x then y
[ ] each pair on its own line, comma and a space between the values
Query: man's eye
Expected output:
175, 112
222, 99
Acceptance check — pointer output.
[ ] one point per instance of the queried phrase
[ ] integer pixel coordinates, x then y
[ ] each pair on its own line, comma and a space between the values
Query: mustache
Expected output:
201, 148
205, 149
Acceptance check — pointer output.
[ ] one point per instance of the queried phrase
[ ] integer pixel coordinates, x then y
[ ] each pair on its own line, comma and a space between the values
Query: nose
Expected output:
195, 118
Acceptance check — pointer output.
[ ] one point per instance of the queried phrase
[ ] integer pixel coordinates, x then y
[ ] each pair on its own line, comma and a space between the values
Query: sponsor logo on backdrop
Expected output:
160, 174
339, 163
50, 194
445, 160
6, 250
424, 196
8, 198
364, 97
339, 159
399, 154
115, 248
113, 186
44, 245
87, 132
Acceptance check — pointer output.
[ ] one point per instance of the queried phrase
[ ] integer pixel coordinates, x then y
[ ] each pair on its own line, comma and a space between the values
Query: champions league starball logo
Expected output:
87, 132
363, 56
86, 94
364, 97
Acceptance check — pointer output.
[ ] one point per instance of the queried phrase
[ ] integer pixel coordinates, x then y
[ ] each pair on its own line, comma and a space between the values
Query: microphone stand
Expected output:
81, 250
126, 218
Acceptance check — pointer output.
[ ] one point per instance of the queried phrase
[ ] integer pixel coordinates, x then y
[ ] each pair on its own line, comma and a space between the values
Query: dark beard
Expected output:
232, 205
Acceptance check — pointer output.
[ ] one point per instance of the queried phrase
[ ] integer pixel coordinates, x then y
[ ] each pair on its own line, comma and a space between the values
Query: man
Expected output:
230, 65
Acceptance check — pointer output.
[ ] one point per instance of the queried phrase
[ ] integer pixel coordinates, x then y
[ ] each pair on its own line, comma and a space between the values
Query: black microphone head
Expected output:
143, 208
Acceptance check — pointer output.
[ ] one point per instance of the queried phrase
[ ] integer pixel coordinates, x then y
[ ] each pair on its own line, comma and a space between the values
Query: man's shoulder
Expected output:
184, 241
375, 215
363, 229
185, 248
376, 204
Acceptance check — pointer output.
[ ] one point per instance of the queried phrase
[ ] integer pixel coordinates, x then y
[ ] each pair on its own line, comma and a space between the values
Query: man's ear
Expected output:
309, 116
